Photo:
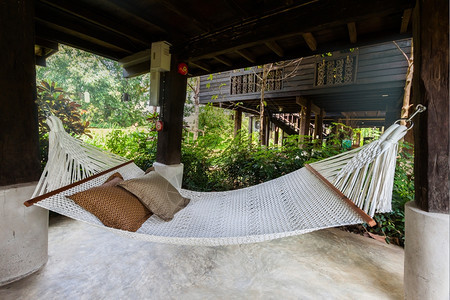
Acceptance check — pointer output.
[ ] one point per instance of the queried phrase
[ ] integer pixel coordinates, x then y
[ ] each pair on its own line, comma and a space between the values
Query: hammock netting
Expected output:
296, 203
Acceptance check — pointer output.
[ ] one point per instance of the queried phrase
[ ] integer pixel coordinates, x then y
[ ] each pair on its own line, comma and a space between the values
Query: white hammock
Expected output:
296, 203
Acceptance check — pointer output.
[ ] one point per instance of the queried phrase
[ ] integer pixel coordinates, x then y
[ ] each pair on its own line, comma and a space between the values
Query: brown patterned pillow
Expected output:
113, 206
157, 194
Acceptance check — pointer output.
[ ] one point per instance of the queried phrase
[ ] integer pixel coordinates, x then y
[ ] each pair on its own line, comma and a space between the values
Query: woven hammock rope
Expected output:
296, 203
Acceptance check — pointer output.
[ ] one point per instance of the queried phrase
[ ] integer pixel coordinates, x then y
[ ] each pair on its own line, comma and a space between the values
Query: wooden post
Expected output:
172, 98
320, 123
19, 140
307, 119
237, 121
266, 131
277, 132
431, 88
301, 123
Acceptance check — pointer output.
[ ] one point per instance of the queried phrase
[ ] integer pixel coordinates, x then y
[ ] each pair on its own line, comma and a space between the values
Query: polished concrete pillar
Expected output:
23, 233
426, 254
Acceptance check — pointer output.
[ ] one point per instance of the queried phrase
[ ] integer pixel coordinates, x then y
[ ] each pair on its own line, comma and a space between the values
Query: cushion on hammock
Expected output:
113, 180
112, 205
157, 194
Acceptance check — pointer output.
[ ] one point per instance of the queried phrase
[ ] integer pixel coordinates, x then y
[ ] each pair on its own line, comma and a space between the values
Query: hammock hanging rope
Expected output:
311, 198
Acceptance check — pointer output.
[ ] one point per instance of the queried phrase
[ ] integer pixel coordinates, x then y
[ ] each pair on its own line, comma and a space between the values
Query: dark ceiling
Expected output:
219, 35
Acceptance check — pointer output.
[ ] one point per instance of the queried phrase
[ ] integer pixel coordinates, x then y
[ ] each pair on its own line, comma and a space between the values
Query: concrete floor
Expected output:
86, 262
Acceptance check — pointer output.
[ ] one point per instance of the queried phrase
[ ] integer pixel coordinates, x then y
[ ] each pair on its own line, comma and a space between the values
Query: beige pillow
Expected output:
157, 194
113, 206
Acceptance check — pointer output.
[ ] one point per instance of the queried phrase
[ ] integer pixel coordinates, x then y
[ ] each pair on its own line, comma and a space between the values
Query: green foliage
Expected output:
80, 72
138, 145
52, 99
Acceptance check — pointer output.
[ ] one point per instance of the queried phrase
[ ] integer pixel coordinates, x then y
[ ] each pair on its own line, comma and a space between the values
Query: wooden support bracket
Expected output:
310, 41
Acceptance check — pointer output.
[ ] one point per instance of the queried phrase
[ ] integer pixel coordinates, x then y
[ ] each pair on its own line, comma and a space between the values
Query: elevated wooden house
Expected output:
360, 86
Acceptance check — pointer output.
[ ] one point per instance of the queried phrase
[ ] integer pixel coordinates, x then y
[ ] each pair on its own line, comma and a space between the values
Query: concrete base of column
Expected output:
426, 273
173, 173
23, 233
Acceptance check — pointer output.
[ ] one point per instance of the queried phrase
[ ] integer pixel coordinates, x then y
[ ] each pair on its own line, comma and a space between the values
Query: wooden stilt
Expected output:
431, 88
172, 98
237, 121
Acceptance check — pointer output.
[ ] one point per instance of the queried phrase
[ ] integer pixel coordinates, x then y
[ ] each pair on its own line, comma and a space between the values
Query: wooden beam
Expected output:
72, 25
46, 43
137, 58
201, 66
318, 128
352, 32
19, 139
128, 10
303, 101
223, 60
35, 200
40, 61
87, 13
310, 41
237, 7
366, 40
172, 98
136, 70
257, 30
430, 88
272, 45
73, 41
186, 13
405, 20
237, 121
247, 55
307, 119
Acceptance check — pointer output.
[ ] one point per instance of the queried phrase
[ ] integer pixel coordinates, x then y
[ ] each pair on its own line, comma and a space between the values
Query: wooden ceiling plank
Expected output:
352, 32
73, 41
317, 17
201, 66
46, 43
137, 58
58, 19
310, 40
247, 55
81, 36
223, 60
272, 45
186, 12
128, 10
237, 8
89, 15
405, 20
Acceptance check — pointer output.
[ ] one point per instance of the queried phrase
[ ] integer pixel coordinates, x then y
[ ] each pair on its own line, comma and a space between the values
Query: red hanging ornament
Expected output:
182, 68
159, 125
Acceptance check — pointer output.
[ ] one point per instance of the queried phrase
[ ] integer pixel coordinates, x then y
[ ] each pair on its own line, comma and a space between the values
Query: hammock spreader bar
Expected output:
368, 219
64, 188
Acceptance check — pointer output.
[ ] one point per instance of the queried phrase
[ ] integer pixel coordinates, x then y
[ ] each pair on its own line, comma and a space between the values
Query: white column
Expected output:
426, 254
23, 233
